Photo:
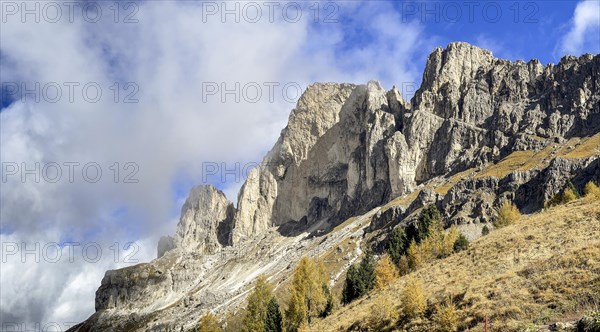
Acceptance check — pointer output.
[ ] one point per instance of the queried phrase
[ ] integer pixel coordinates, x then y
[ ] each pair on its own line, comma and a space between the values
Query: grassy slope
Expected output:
519, 160
574, 148
545, 268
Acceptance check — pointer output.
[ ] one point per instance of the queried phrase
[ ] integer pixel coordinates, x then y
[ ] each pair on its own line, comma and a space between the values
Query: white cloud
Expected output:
168, 133
584, 32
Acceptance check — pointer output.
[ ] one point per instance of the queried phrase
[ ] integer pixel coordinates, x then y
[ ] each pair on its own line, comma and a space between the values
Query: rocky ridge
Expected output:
361, 151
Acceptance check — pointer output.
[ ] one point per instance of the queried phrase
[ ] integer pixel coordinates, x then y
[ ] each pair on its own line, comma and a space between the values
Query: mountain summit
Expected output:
355, 161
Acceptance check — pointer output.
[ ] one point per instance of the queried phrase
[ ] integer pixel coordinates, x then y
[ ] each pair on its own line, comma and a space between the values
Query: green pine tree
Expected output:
429, 216
397, 244
273, 320
350, 291
359, 279
367, 272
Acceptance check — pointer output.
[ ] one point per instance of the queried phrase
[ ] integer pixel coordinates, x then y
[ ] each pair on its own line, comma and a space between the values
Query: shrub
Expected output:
385, 272
591, 190
209, 323
381, 315
273, 320
461, 243
304, 328
507, 214
485, 231
569, 195
256, 310
590, 322
414, 300
446, 318
555, 200
571, 188
359, 279
397, 244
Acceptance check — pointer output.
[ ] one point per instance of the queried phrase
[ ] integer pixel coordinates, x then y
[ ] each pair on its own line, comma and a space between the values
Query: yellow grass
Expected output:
575, 148
516, 161
543, 269
583, 147
443, 189
403, 200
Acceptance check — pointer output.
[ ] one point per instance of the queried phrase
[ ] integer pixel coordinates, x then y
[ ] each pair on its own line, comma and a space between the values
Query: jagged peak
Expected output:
317, 110
461, 46
456, 63
206, 219
203, 192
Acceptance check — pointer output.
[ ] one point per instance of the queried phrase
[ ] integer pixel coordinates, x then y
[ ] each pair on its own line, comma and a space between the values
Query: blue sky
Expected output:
170, 53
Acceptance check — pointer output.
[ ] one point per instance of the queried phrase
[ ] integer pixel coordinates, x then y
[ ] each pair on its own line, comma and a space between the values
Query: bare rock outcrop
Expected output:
206, 221
318, 110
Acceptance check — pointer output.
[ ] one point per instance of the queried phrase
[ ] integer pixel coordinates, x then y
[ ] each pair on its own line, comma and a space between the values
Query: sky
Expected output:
111, 112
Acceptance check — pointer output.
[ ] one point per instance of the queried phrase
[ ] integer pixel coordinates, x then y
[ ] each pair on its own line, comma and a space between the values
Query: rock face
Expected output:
206, 221
371, 145
349, 149
259, 202
476, 200
165, 244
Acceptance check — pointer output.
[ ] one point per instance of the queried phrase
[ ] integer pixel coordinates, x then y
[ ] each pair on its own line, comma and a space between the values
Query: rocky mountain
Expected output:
356, 160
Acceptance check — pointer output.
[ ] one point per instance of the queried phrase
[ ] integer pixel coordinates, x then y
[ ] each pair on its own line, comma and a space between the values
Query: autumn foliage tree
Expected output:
446, 317
385, 272
507, 214
414, 299
309, 294
591, 191
382, 313
258, 301
400, 240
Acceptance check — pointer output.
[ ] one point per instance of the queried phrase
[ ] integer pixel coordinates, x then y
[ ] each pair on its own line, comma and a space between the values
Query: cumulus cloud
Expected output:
168, 56
584, 30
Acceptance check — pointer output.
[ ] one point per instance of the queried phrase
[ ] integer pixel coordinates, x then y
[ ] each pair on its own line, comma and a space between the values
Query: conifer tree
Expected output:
359, 279
397, 244
385, 272
308, 296
256, 310
428, 216
273, 320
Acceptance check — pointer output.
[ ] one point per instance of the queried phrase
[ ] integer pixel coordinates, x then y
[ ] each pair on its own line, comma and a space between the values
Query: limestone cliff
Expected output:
478, 131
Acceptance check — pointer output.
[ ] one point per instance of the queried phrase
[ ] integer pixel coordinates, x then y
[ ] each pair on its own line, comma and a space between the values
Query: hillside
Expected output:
544, 269
356, 162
